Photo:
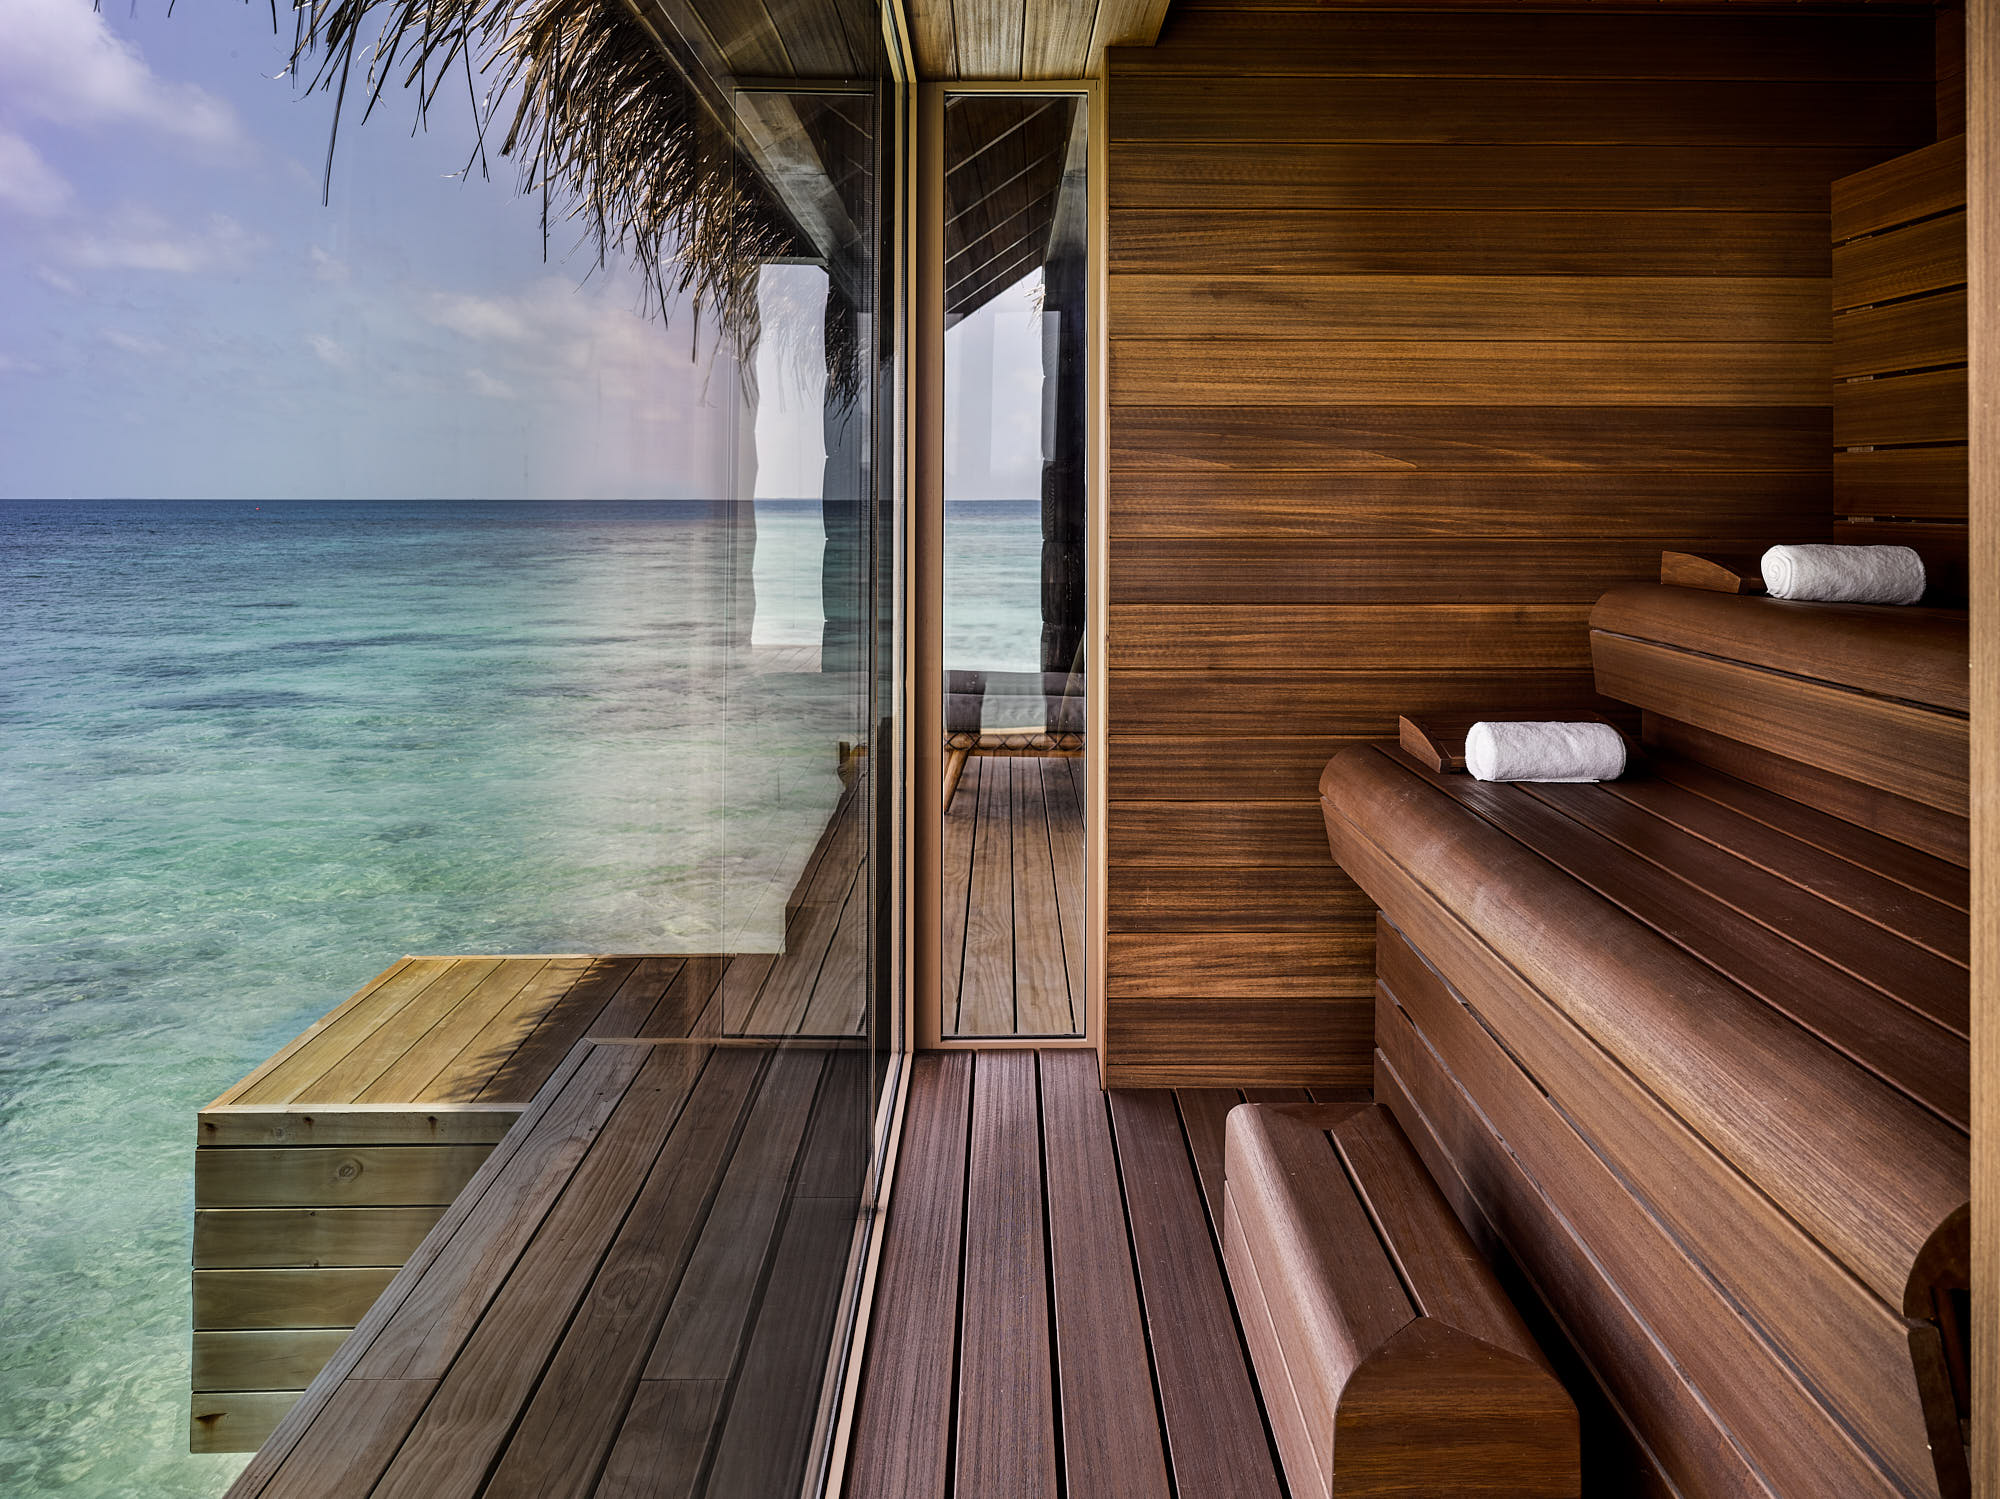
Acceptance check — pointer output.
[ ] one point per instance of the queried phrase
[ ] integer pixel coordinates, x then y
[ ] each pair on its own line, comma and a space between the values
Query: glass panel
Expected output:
479, 595
1015, 685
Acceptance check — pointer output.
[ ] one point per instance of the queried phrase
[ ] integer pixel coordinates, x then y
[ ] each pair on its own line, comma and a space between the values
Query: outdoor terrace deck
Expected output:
635, 1293
1051, 1317
319, 1173
1014, 899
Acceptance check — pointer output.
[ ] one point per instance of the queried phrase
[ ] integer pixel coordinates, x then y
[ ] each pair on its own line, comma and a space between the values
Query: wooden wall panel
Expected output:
1426, 327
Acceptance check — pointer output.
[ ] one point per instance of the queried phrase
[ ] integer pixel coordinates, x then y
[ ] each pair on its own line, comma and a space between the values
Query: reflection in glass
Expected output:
1016, 277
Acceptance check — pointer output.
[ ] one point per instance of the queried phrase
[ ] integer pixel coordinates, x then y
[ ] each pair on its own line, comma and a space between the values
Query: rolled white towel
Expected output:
1844, 574
1545, 752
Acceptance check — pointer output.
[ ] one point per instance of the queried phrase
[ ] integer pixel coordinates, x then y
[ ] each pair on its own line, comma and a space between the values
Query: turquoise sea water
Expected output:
249, 755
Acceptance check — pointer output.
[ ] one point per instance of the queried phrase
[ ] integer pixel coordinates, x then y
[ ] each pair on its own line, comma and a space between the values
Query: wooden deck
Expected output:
1051, 1315
1014, 899
637, 1293
319, 1173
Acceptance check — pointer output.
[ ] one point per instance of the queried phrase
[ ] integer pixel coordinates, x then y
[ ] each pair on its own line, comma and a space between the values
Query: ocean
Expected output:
250, 754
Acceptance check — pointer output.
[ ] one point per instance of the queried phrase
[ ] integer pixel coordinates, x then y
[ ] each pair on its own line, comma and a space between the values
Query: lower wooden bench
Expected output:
1390, 1360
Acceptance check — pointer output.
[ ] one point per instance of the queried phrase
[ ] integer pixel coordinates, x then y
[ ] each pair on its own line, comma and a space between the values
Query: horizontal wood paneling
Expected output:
1422, 441
1916, 482
1915, 185
1442, 503
1240, 371
1360, 44
1900, 263
303, 1238
1455, 637
1899, 409
1579, 111
1916, 334
1427, 326
265, 1359
1361, 175
1467, 242
1724, 309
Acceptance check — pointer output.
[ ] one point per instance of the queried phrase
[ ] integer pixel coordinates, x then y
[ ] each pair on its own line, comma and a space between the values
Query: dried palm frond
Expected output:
603, 120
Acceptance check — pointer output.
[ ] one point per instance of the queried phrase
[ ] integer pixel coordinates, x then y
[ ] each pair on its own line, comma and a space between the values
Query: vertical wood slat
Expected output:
1111, 1434
902, 1430
1004, 1324
1041, 986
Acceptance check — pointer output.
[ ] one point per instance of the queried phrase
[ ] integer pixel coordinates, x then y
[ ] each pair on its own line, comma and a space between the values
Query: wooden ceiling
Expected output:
1009, 165
1004, 41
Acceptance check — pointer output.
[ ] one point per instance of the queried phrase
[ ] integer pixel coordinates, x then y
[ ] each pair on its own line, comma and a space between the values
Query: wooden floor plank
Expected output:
735, 999
1215, 1429
571, 1080
373, 1054
408, 1074
574, 1418
311, 1034
986, 989
1111, 1431
644, 987
563, 981
902, 1429
961, 823
346, 1450
444, 1307
1041, 983
1066, 847
559, 1029
787, 993
664, 1441
679, 1010
838, 1005
766, 1436
1205, 1119
484, 1386
1006, 1409
704, 1328
342, 1031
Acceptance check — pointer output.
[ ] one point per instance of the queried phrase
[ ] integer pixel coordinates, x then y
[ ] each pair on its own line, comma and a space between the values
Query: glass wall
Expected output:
1015, 501
408, 546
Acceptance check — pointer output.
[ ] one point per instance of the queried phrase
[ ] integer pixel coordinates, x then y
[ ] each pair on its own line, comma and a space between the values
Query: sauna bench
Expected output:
1691, 1047
1390, 1359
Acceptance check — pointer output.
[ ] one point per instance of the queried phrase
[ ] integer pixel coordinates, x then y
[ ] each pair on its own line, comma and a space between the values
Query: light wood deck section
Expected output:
1014, 899
318, 1174
636, 1293
1051, 1316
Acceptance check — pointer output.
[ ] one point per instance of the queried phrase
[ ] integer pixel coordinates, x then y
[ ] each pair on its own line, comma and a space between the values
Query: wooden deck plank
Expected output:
407, 1075
735, 999
557, 1094
1041, 982
344, 1454
781, 1006
902, 1429
838, 1005
766, 1436
679, 1010
1215, 1428
1111, 1430
961, 823
644, 987
986, 989
1205, 1120
518, 1073
461, 1078
664, 1440
339, 1032
1066, 847
704, 1328
484, 1382
374, 1053
443, 1308
574, 1417
311, 1033
1005, 1442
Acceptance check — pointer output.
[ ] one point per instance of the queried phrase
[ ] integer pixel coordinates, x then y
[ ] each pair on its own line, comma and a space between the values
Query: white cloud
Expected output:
64, 64
140, 240
55, 280
485, 385
483, 318
28, 183
12, 365
328, 268
132, 343
331, 351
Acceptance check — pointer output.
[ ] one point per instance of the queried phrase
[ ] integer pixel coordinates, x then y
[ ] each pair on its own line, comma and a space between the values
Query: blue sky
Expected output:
180, 316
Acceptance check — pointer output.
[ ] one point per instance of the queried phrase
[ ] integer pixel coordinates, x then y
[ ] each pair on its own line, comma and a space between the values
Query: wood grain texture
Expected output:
1927, 256
1427, 327
1928, 407
1917, 185
1915, 334
1922, 483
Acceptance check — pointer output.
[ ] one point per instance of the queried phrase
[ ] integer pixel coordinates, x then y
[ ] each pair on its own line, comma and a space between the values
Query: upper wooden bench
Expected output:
1692, 1045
